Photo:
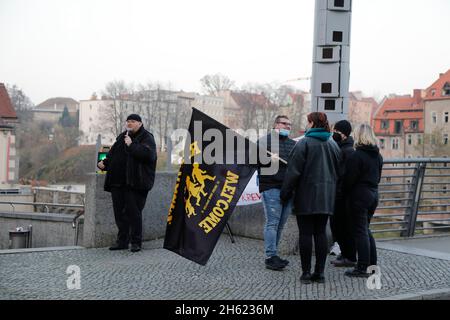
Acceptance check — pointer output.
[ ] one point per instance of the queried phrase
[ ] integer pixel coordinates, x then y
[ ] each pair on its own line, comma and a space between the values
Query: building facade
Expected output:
399, 126
9, 160
437, 115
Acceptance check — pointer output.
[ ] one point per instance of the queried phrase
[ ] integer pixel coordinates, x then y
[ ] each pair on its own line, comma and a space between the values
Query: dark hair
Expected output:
319, 120
278, 118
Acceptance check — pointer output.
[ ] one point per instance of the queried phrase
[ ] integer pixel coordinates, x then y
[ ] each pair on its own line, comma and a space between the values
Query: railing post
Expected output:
419, 175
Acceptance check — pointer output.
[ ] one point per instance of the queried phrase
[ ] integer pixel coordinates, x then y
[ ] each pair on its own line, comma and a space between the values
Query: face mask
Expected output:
284, 132
337, 137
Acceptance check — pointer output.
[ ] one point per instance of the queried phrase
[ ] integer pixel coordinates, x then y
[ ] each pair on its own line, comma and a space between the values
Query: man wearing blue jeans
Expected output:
280, 145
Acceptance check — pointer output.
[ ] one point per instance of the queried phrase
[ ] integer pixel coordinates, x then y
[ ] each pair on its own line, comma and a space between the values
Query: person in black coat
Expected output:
363, 174
312, 174
340, 221
130, 166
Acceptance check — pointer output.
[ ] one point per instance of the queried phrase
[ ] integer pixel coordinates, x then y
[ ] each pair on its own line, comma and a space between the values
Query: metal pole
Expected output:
415, 201
230, 233
30, 236
169, 153
98, 145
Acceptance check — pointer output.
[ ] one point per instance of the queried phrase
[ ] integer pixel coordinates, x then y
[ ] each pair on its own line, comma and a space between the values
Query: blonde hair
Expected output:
364, 136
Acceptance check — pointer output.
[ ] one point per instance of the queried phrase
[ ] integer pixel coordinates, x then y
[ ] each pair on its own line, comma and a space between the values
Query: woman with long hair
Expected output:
363, 174
312, 173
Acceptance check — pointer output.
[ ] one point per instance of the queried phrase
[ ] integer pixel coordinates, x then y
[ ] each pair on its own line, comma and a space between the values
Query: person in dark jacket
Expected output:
276, 214
312, 174
340, 221
363, 174
130, 166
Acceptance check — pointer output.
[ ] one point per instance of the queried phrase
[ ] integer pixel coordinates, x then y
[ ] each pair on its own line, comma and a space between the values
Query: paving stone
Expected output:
235, 271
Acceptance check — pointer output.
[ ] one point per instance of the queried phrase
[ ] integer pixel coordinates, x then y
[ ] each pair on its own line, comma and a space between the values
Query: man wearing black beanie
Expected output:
341, 221
130, 166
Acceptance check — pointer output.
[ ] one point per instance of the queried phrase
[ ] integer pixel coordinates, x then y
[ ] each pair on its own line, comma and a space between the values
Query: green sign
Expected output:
101, 156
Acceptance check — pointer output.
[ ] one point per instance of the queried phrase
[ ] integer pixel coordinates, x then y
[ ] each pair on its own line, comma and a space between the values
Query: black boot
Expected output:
273, 263
135, 248
357, 273
119, 246
318, 277
305, 278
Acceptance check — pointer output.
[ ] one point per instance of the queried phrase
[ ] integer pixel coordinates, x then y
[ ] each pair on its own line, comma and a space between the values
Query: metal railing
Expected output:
46, 205
78, 209
414, 198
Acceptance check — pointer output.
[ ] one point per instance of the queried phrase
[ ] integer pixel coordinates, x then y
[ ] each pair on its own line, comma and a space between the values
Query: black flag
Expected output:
206, 194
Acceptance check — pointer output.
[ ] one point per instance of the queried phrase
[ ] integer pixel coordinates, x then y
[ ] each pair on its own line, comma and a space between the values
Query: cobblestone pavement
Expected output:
235, 271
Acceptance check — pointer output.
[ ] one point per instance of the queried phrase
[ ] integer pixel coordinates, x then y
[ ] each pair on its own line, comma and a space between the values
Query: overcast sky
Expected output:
72, 48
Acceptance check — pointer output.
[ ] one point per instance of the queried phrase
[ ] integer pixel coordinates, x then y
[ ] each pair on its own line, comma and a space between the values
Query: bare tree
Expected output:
20, 102
212, 84
120, 94
263, 105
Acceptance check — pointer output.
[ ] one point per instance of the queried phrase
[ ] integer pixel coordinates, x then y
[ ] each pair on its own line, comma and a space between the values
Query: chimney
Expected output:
417, 95
440, 75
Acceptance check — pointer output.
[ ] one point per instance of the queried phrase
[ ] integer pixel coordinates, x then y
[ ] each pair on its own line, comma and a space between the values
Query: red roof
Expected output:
6, 108
406, 108
246, 99
435, 91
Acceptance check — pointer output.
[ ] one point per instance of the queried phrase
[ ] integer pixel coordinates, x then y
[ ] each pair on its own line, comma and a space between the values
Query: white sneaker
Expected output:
335, 250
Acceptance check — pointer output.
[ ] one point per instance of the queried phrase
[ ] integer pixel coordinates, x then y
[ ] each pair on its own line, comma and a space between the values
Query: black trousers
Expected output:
341, 227
363, 204
128, 205
313, 226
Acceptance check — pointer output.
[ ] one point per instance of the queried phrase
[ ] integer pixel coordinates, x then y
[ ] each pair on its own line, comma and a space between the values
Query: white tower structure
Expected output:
331, 59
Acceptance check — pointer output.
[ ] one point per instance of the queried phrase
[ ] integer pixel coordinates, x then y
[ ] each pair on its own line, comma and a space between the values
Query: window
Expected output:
339, 3
90, 106
330, 104
419, 139
382, 142
395, 144
398, 127
446, 89
326, 87
433, 92
384, 124
445, 138
409, 139
337, 36
434, 117
327, 53
414, 124
445, 117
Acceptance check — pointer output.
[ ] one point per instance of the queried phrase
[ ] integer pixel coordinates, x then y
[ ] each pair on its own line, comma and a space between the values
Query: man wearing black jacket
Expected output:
276, 214
341, 222
130, 166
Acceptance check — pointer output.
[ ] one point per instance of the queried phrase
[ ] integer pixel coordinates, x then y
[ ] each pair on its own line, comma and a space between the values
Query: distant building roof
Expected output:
58, 101
6, 109
246, 99
436, 90
401, 108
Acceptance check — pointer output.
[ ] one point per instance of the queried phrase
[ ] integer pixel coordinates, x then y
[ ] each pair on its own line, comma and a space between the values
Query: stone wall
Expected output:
49, 229
100, 229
